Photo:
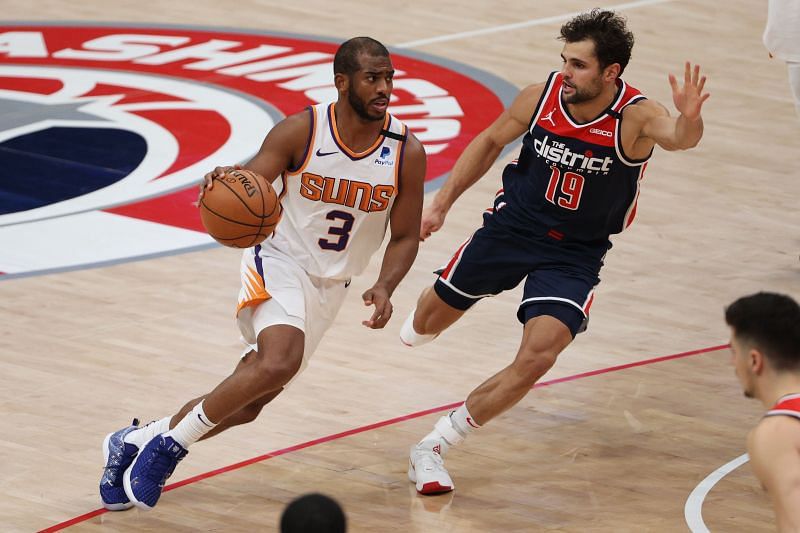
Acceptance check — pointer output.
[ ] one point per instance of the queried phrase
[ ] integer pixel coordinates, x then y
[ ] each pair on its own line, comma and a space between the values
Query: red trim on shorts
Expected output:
455, 258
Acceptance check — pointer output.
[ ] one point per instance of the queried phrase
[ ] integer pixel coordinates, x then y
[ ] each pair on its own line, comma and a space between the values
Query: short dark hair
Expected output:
313, 513
346, 59
613, 41
771, 322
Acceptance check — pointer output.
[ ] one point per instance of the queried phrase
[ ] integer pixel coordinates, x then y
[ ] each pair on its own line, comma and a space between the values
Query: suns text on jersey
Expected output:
352, 193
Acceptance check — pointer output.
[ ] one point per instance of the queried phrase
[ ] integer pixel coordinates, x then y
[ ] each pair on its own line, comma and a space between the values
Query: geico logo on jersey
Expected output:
352, 193
604, 133
557, 152
385, 159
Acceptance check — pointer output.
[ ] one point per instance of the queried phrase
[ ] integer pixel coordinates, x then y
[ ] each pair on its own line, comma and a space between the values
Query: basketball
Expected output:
240, 210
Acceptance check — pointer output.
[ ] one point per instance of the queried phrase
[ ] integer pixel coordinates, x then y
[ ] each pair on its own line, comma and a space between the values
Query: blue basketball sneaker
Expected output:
118, 456
144, 480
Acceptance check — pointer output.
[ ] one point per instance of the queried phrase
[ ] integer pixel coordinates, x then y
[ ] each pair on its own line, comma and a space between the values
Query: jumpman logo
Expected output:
549, 117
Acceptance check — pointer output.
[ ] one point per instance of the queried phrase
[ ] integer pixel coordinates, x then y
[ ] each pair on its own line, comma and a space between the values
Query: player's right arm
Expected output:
479, 155
774, 449
282, 148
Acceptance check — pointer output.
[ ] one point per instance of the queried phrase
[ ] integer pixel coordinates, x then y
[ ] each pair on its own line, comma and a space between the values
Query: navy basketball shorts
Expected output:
559, 277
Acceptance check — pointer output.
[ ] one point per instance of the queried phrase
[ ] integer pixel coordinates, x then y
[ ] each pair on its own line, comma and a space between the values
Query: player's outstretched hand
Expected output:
379, 297
208, 179
689, 98
432, 220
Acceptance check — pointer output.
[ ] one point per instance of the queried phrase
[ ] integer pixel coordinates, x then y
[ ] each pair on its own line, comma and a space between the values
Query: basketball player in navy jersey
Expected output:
347, 170
587, 138
765, 348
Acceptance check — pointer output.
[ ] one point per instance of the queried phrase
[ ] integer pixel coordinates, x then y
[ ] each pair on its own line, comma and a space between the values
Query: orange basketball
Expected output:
240, 210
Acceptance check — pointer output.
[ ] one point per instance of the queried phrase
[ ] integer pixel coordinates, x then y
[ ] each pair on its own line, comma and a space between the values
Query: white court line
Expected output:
523, 24
693, 510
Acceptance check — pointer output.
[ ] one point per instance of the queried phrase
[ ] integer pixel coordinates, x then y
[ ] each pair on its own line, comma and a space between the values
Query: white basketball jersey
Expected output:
336, 204
782, 32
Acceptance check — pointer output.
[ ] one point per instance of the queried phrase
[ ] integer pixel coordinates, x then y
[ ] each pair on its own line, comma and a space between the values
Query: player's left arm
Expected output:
685, 130
404, 221
774, 448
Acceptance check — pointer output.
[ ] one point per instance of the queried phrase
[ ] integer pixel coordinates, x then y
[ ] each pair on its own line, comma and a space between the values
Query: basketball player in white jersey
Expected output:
782, 39
587, 138
765, 347
344, 172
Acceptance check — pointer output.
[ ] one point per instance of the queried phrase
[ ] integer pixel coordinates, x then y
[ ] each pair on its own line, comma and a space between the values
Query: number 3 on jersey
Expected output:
343, 231
571, 188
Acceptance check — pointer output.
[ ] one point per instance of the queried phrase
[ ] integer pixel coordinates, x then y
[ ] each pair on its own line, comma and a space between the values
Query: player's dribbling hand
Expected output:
208, 179
432, 220
379, 297
689, 98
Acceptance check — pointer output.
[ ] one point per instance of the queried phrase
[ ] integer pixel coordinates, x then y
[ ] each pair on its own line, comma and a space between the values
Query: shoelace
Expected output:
430, 460
162, 464
110, 472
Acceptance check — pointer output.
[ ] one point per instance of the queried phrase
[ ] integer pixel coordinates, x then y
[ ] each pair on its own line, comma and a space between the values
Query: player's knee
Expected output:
280, 373
279, 357
277, 371
433, 315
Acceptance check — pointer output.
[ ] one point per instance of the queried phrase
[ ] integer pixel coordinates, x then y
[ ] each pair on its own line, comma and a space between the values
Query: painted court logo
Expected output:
105, 132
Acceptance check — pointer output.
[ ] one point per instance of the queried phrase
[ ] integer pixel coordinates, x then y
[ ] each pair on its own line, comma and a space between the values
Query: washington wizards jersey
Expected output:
336, 204
788, 405
572, 180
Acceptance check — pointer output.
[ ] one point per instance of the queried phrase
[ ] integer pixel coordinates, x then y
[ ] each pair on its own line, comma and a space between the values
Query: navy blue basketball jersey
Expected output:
572, 180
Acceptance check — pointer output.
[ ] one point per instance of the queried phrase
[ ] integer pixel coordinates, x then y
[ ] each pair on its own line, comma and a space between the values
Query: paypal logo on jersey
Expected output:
385, 158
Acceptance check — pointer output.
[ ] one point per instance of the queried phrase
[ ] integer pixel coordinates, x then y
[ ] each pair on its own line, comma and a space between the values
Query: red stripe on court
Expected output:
376, 425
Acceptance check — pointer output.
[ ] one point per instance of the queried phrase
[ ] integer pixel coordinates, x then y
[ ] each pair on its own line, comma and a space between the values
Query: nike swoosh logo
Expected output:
203, 421
323, 154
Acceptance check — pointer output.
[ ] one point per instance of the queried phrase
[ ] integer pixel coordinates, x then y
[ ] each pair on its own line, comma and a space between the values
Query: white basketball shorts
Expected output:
276, 290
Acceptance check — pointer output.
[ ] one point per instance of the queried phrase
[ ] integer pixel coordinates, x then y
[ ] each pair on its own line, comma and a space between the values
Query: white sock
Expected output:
462, 421
143, 435
410, 337
193, 426
450, 430
444, 435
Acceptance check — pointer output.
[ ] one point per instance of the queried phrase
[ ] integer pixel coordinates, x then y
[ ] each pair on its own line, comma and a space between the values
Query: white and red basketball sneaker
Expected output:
426, 468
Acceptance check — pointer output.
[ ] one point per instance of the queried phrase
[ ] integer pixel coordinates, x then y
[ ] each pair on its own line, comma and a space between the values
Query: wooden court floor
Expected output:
620, 450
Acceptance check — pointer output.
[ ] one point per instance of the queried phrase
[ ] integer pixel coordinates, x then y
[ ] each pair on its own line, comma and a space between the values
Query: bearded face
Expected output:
583, 79
369, 88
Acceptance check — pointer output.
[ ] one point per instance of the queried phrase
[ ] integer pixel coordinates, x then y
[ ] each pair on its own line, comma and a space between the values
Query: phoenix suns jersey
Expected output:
336, 204
572, 180
788, 405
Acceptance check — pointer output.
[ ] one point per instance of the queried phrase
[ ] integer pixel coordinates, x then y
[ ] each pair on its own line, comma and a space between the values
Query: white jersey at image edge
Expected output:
782, 33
